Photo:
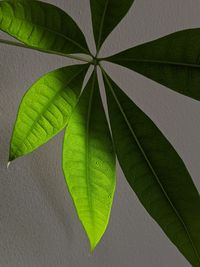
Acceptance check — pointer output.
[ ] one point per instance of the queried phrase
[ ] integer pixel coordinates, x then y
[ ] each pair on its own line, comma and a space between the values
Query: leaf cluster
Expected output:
57, 101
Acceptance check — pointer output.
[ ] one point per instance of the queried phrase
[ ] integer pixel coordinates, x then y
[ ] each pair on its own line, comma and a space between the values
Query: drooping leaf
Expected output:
45, 109
155, 172
172, 61
89, 162
41, 25
106, 14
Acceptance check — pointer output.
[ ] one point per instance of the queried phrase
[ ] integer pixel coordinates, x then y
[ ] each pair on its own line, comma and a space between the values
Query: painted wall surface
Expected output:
38, 223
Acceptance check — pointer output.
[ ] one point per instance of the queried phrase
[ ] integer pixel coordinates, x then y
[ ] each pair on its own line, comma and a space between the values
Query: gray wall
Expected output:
38, 224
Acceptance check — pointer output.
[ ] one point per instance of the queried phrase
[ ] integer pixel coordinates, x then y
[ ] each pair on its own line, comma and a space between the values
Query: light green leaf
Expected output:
155, 172
106, 14
89, 162
172, 61
45, 109
41, 25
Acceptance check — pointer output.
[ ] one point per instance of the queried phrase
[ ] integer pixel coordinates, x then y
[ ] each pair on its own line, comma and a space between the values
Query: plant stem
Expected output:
76, 57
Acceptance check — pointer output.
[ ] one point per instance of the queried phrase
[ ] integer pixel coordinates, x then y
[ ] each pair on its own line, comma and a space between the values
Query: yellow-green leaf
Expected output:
89, 162
46, 108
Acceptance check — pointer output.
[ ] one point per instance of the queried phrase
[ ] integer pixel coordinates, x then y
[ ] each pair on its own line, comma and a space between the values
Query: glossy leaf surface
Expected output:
89, 162
172, 61
155, 172
45, 109
41, 25
106, 14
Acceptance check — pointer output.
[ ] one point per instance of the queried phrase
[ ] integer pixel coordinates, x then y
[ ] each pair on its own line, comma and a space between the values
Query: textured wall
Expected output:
38, 224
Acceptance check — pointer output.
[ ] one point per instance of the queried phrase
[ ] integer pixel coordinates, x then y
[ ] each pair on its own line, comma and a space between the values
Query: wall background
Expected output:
38, 224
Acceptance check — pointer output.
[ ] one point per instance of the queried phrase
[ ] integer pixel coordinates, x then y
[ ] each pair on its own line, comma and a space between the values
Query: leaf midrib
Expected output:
155, 62
50, 30
101, 26
152, 169
87, 148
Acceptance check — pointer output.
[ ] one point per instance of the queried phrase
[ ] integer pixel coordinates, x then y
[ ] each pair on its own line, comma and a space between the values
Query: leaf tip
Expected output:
94, 240
93, 245
13, 155
11, 158
8, 164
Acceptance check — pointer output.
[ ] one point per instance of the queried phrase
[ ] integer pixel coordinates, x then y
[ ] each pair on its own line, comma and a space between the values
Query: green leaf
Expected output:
45, 109
155, 172
89, 162
41, 25
106, 14
172, 61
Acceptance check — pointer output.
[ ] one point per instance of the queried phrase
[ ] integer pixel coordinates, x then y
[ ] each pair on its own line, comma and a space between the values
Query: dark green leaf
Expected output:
41, 25
173, 61
89, 162
106, 14
45, 109
155, 172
